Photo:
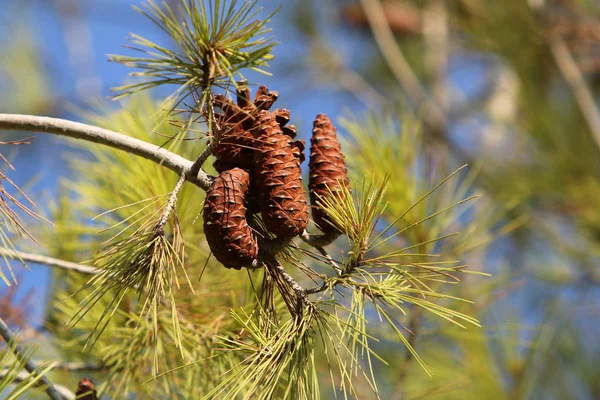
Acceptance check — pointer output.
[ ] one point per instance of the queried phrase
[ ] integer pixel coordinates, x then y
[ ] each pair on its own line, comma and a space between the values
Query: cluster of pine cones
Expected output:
259, 165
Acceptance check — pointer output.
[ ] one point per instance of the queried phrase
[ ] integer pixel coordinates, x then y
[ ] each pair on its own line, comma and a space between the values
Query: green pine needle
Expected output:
145, 262
10, 221
12, 388
390, 281
278, 362
214, 42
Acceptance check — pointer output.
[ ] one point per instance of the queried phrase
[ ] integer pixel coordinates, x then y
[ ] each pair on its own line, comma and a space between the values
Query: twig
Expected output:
64, 392
270, 247
436, 38
319, 240
73, 366
395, 58
293, 294
77, 130
330, 260
49, 261
29, 365
295, 286
209, 71
207, 152
317, 289
171, 203
583, 95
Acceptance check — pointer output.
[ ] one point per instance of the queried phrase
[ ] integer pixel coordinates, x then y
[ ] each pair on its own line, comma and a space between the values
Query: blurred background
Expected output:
510, 87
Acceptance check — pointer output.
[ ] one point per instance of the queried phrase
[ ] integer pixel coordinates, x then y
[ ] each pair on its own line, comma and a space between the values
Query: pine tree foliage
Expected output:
13, 386
14, 206
216, 39
385, 269
535, 149
165, 320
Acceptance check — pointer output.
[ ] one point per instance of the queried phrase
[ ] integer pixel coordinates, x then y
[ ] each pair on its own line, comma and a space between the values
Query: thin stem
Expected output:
330, 260
395, 58
583, 95
65, 393
171, 203
317, 241
49, 261
73, 366
77, 130
268, 248
278, 268
317, 289
206, 98
207, 152
29, 365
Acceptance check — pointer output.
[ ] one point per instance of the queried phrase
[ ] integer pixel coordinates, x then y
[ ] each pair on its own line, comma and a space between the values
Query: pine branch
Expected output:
29, 365
295, 286
581, 91
319, 243
77, 130
64, 393
171, 203
214, 41
74, 366
49, 261
395, 58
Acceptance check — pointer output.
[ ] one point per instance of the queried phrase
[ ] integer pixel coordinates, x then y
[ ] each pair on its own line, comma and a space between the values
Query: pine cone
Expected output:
327, 170
278, 178
86, 390
236, 147
228, 234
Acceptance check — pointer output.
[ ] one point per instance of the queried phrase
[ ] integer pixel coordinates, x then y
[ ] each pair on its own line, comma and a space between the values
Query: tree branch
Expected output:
65, 393
77, 130
49, 261
319, 240
74, 366
396, 61
583, 95
29, 365
171, 203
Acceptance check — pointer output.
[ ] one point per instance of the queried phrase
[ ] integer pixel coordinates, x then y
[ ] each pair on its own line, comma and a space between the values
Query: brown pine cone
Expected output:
237, 122
228, 234
278, 179
327, 170
86, 390
236, 147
